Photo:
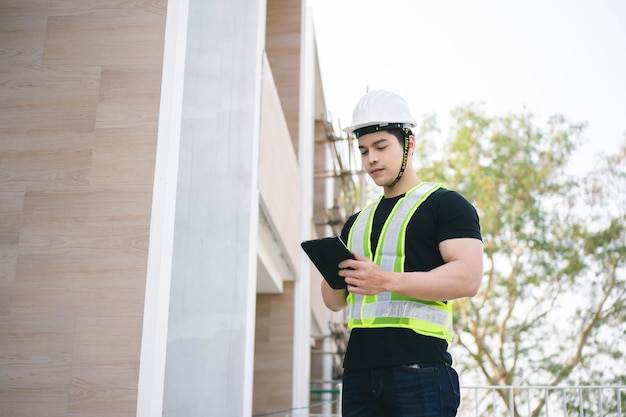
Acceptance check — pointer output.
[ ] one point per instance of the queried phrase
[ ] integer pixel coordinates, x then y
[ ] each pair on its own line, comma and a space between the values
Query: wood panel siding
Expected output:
79, 101
273, 351
283, 37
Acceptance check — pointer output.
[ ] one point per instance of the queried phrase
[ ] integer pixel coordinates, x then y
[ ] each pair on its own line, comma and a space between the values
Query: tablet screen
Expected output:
326, 254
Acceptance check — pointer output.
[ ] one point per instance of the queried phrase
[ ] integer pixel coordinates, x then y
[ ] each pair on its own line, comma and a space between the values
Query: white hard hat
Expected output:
383, 109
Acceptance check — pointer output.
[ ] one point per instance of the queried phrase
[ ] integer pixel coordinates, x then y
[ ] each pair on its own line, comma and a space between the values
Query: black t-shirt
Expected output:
443, 215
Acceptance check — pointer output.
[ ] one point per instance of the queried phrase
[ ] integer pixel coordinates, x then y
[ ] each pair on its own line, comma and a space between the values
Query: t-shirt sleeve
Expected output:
345, 231
456, 218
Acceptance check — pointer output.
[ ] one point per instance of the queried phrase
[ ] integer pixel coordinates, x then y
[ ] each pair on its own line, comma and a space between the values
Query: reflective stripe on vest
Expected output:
430, 318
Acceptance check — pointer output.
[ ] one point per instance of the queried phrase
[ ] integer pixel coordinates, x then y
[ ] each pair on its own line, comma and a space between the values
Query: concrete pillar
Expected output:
210, 331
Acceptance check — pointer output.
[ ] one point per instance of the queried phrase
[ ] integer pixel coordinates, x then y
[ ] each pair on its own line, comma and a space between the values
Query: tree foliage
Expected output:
552, 306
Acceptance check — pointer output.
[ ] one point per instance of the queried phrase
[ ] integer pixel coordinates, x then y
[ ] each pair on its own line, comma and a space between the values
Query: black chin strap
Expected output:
407, 133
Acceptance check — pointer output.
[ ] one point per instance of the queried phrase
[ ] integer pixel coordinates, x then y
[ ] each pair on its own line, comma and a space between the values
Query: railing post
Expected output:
476, 401
600, 402
580, 402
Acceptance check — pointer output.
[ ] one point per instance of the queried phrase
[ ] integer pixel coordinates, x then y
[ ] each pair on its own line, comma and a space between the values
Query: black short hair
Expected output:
399, 134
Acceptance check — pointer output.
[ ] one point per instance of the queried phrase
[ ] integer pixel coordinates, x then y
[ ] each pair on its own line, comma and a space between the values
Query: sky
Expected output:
547, 57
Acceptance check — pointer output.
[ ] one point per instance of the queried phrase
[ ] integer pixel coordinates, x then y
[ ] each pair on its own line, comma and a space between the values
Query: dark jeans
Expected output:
429, 391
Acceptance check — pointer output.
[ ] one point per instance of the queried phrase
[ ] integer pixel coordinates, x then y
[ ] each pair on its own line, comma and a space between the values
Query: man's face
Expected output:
381, 155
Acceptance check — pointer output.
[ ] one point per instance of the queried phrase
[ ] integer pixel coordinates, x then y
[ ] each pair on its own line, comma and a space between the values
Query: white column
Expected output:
210, 334
306, 132
161, 245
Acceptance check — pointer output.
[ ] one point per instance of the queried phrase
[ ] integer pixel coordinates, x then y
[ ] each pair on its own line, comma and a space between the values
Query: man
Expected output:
416, 248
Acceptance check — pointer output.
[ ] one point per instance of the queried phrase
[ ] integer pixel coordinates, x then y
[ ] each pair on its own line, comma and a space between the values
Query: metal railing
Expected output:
543, 401
499, 401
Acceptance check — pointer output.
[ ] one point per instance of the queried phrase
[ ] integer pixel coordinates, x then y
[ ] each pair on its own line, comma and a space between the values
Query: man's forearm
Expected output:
335, 300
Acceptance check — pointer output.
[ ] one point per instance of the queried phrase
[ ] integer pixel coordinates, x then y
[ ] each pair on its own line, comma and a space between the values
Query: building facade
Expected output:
160, 162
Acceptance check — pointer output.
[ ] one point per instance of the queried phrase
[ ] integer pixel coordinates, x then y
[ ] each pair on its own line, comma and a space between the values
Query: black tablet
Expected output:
326, 254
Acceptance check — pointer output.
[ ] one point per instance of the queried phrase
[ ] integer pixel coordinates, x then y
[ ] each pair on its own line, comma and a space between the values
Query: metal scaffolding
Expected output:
348, 175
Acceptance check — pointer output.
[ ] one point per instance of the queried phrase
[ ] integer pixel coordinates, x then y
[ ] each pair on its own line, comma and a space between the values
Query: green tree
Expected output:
552, 306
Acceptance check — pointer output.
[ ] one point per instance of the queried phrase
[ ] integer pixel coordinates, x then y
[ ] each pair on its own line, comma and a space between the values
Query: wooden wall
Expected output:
79, 101
273, 351
282, 44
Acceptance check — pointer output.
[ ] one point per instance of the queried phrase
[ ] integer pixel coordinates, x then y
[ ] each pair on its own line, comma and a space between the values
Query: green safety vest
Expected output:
430, 318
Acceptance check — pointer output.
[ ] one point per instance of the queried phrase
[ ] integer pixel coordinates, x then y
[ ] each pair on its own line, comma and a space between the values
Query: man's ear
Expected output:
411, 143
